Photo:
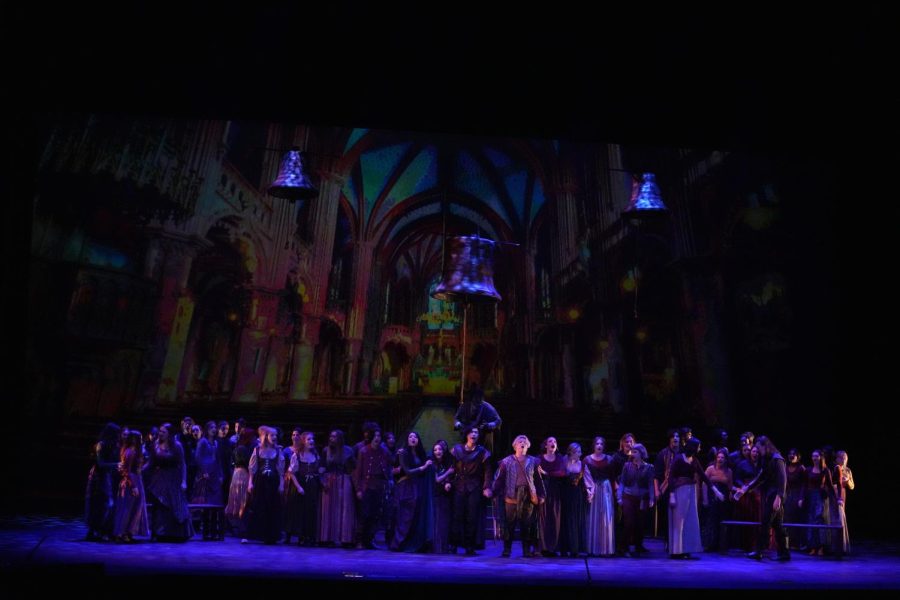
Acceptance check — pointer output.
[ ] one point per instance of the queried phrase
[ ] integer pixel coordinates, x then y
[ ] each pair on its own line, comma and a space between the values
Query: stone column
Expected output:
169, 261
356, 319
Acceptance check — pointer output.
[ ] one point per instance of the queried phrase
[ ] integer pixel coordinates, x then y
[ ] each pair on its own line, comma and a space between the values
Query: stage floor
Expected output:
42, 549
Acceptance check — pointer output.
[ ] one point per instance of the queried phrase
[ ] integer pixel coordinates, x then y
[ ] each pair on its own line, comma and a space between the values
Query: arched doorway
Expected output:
393, 368
222, 301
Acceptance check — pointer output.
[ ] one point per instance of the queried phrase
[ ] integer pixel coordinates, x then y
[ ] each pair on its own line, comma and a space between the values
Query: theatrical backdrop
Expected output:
164, 279
163, 273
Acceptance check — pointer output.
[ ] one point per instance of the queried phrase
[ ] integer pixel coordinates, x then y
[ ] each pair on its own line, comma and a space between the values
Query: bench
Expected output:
724, 525
212, 519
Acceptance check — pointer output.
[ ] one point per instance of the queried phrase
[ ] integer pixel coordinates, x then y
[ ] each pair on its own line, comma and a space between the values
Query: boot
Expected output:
526, 550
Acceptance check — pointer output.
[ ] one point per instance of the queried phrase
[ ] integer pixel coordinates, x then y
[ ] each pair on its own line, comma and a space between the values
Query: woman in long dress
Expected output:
131, 505
293, 490
166, 489
207, 487
576, 488
442, 469
266, 486
684, 520
337, 508
553, 473
843, 482
602, 510
302, 492
240, 480
413, 527
820, 493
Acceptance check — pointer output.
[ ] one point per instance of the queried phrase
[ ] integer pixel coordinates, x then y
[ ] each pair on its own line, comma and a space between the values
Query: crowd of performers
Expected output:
595, 503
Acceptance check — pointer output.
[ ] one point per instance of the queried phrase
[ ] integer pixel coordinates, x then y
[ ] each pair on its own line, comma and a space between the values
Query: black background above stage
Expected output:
810, 89
670, 76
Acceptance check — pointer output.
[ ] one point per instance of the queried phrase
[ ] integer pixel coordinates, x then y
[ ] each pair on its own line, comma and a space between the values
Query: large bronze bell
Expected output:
468, 271
645, 199
293, 182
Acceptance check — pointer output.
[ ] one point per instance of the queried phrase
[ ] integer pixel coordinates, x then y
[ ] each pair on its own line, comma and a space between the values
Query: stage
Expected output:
43, 551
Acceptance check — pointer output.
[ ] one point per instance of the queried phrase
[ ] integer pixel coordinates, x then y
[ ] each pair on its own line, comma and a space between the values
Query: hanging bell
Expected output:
645, 199
468, 271
293, 182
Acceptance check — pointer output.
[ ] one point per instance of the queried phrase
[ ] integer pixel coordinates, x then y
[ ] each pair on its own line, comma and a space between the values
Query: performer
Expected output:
635, 494
414, 492
337, 509
684, 520
519, 480
553, 471
100, 493
442, 469
170, 517
240, 481
843, 482
661, 468
370, 479
266, 486
772, 479
131, 508
301, 489
796, 492
471, 481
601, 512
477, 412
576, 488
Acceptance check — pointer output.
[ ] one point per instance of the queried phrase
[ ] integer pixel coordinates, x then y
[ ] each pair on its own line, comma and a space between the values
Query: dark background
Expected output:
811, 92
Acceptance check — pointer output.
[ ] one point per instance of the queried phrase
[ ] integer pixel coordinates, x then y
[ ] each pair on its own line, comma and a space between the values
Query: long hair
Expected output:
133, 442
446, 460
339, 438
766, 443
418, 451
691, 447
821, 463
335, 452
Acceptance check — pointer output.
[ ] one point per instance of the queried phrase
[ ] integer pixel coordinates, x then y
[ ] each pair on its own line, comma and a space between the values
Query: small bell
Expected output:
645, 199
293, 182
